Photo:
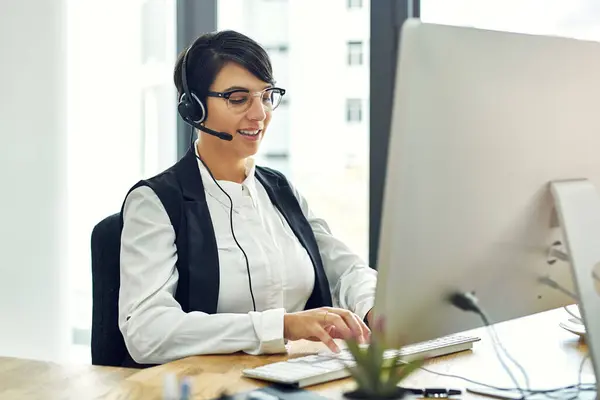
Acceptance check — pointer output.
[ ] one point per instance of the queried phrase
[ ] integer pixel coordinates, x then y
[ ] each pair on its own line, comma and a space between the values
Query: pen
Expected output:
434, 392
185, 388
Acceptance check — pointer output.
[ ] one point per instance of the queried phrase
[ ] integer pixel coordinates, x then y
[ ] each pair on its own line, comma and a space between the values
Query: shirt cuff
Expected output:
363, 307
268, 326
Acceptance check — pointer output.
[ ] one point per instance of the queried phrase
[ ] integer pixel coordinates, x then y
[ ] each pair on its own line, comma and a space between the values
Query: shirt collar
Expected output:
233, 189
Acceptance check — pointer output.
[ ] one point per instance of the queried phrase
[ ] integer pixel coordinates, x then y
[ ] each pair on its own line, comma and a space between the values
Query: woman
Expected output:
219, 255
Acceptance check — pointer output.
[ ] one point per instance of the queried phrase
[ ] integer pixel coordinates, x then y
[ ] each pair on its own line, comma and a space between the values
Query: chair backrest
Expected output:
108, 346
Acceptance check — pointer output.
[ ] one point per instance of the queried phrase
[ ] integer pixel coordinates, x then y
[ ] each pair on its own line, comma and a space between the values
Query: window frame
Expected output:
355, 52
354, 110
354, 4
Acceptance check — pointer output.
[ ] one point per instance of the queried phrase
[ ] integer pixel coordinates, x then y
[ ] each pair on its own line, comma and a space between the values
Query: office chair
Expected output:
108, 346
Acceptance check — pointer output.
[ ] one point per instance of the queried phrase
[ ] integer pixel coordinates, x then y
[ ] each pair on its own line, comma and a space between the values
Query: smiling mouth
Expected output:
250, 133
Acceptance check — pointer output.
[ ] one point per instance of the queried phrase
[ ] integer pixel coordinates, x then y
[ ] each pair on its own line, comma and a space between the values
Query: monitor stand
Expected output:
577, 205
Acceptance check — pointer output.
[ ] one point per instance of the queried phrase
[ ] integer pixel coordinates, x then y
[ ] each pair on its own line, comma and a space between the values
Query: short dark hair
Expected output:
211, 51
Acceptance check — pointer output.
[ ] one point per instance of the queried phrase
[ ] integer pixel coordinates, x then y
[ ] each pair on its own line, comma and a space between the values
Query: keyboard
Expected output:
327, 366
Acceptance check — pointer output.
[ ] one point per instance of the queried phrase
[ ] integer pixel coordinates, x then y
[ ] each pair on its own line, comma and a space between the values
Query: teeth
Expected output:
249, 133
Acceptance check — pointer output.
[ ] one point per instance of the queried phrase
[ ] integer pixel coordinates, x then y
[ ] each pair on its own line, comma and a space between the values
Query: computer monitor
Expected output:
485, 125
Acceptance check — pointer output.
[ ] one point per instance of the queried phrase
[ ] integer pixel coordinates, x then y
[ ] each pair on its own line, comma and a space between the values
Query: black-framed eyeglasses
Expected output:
240, 100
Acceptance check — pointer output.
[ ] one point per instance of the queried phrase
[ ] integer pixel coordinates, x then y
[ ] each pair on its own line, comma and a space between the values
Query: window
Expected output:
353, 4
281, 48
277, 156
355, 53
154, 36
354, 110
309, 112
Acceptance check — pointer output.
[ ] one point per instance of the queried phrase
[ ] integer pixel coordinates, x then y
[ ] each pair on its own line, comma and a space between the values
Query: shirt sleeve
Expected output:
155, 328
352, 281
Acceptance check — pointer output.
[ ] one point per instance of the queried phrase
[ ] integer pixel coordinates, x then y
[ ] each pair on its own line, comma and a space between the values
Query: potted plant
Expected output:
376, 375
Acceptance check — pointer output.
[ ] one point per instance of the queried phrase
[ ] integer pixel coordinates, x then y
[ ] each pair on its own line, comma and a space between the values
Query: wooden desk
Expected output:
550, 355
30, 379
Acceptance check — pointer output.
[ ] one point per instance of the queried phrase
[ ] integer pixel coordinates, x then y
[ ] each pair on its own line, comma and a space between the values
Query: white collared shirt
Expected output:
155, 328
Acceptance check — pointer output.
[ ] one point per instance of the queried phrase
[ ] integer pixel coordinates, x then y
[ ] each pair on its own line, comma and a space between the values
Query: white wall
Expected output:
121, 119
74, 139
33, 173
104, 136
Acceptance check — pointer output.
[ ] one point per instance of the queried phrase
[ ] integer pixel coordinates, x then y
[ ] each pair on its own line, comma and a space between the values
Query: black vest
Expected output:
181, 192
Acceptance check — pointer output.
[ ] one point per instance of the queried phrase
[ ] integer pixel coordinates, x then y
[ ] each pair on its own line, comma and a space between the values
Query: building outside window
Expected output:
355, 53
354, 110
354, 4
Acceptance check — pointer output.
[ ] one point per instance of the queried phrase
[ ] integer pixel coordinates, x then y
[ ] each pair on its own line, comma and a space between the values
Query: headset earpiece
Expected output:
192, 110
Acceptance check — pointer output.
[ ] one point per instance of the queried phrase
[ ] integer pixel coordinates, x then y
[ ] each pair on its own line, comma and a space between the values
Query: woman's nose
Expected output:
257, 111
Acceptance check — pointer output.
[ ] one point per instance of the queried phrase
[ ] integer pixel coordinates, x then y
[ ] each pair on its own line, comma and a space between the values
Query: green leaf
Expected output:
357, 352
374, 375
375, 363
390, 370
399, 372
362, 379
360, 371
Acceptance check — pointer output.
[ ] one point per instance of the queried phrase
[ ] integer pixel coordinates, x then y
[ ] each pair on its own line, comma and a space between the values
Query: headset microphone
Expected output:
220, 135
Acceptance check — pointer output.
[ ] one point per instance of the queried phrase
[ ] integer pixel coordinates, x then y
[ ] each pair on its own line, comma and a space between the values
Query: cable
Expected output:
497, 341
230, 218
579, 376
496, 346
555, 285
581, 386
558, 254
468, 302
545, 280
571, 313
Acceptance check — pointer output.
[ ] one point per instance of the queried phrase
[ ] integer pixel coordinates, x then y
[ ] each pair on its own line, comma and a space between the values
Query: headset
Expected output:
191, 109
193, 112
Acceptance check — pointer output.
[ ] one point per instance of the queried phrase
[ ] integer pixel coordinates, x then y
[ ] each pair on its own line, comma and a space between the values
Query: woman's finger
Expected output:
319, 331
351, 322
366, 332
340, 325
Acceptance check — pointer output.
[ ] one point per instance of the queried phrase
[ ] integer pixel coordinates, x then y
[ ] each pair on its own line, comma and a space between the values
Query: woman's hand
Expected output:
325, 324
